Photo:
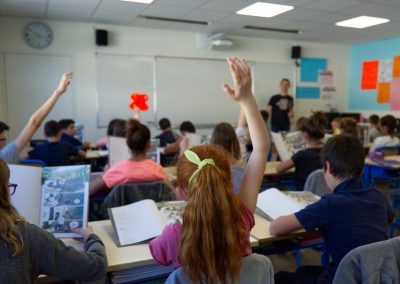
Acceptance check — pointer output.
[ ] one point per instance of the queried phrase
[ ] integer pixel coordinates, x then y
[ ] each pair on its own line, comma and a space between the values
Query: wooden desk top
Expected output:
96, 154
396, 158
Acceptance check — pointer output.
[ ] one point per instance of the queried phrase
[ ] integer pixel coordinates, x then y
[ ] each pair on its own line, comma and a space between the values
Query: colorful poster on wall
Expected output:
309, 68
369, 76
328, 93
384, 93
395, 94
385, 70
396, 67
325, 77
308, 92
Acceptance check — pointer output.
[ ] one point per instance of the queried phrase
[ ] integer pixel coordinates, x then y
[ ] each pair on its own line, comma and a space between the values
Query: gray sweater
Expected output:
44, 254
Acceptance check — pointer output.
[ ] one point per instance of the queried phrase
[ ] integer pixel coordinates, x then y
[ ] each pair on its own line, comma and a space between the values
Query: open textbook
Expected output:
287, 144
53, 198
273, 203
143, 220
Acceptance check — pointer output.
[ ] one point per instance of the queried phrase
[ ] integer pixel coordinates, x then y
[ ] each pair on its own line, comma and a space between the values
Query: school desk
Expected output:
373, 169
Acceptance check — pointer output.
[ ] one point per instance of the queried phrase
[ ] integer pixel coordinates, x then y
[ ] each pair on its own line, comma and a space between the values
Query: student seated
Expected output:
348, 125
224, 136
182, 143
166, 137
214, 237
27, 251
349, 217
69, 131
54, 152
116, 128
138, 168
335, 126
388, 138
9, 152
299, 122
308, 160
374, 128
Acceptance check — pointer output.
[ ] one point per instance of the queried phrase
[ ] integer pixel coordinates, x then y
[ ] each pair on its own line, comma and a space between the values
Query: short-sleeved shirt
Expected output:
306, 161
70, 139
281, 105
349, 217
165, 248
373, 134
167, 137
54, 153
384, 141
9, 153
131, 171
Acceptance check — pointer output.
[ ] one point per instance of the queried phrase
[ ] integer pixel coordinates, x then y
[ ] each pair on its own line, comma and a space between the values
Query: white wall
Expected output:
77, 40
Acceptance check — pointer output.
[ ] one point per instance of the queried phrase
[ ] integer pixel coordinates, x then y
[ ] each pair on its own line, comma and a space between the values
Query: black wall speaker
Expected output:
296, 52
101, 37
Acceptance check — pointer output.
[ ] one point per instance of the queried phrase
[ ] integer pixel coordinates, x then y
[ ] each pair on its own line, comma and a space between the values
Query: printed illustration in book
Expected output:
287, 144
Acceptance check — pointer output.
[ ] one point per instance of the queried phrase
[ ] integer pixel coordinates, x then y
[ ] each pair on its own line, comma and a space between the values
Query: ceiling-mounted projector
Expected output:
217, 41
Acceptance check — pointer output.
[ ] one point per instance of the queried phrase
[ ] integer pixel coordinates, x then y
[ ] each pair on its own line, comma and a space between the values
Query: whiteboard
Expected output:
118, 76
191, 89
30, 81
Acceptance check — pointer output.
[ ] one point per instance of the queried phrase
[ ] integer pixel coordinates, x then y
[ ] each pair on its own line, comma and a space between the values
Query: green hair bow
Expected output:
192, 157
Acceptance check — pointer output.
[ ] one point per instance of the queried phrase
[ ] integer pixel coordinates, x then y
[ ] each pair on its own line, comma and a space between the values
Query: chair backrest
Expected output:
128, 193
316, 183
256, 269
33, 162
373, 263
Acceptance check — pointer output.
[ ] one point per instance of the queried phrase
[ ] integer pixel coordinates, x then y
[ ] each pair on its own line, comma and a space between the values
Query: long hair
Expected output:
210, 246
9, 217
224, 135
314, 126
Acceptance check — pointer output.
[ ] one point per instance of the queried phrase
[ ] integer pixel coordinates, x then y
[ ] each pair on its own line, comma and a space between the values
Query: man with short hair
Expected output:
280, 107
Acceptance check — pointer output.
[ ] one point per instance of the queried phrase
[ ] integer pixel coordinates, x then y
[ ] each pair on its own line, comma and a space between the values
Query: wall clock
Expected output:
38, 35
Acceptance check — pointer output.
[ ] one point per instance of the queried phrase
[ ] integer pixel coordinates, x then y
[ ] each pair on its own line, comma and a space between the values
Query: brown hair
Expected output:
9, 216
299, 122
225, 136
210, 245
349, 126
314, 126
137, 136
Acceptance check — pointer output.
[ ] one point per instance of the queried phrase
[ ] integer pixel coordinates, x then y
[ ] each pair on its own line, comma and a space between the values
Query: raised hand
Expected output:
241, 75
64, 82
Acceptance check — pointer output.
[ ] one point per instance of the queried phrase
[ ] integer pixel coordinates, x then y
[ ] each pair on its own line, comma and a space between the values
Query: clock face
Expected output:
38, 35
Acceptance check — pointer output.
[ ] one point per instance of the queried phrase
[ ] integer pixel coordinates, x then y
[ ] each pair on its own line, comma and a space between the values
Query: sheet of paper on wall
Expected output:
325, 77
385, 70
384, 92
287, 144
309, 68
369, 75
395, 94
328, 93
396, 67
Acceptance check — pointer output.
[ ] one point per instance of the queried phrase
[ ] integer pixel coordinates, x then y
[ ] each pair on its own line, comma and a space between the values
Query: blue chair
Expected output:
33, 162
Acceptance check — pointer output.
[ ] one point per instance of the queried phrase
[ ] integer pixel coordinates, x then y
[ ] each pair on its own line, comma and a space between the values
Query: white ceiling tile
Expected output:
22, 9
224, 5
206, 15
113, 18
374, 10
294, 3
300, 14
166, 11
155, 24
87, 4
68, 13
330, 5
330, 18
182, 3
117, 6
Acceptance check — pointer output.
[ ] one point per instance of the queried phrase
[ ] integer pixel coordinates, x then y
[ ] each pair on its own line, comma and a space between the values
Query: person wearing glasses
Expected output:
9, 152
26, 251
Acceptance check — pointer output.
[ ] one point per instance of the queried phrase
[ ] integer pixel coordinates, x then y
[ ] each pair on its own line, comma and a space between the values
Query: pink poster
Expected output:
395, 94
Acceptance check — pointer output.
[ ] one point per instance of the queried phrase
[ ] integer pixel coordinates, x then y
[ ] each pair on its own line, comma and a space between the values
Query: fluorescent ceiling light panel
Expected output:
362, 22
139, 1
266, 10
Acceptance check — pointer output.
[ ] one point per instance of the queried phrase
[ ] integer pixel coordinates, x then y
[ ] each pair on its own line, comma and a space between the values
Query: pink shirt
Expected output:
164, 248
130, 171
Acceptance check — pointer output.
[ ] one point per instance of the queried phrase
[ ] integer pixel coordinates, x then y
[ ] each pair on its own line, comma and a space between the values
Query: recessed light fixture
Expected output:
362, 22
139, 1
266, 10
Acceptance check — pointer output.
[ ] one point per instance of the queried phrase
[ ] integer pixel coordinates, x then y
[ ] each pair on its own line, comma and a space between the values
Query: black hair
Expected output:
3, 127
119, 128
345, 154
390, 122
64, 123
137, 136
264, 115
52, 128
374, 119
314, 126
110, 126
187, 126
164, 123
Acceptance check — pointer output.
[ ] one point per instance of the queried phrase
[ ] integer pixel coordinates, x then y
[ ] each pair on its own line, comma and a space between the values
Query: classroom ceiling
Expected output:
315, 19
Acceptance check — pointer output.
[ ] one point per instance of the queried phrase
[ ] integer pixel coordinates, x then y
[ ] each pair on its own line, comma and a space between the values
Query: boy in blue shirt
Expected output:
69, 131
54, 152
166, 137
349, 217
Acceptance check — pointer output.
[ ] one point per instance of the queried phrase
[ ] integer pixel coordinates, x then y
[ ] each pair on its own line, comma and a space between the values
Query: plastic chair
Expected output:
35, 163
316, 183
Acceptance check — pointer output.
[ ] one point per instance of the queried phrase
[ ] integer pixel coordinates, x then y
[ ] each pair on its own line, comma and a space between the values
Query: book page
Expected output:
274, 203
65, 199
288, 144
172, 211
119, 151
283, 152
137, 222
26, 198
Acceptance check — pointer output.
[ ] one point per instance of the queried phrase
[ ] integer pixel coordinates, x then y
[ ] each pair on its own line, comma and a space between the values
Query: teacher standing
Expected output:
280, 107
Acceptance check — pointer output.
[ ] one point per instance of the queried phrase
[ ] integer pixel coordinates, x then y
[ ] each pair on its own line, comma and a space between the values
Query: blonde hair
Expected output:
210, 245
9, 217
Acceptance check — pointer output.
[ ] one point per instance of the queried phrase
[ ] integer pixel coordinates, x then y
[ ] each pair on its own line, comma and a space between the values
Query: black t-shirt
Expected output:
281, 105
306, 161
54, 153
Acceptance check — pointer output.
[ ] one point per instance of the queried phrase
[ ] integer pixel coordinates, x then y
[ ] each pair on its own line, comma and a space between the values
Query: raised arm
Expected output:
241, 93
37, 118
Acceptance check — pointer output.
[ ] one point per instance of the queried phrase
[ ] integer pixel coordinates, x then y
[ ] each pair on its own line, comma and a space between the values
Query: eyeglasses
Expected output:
12, 187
